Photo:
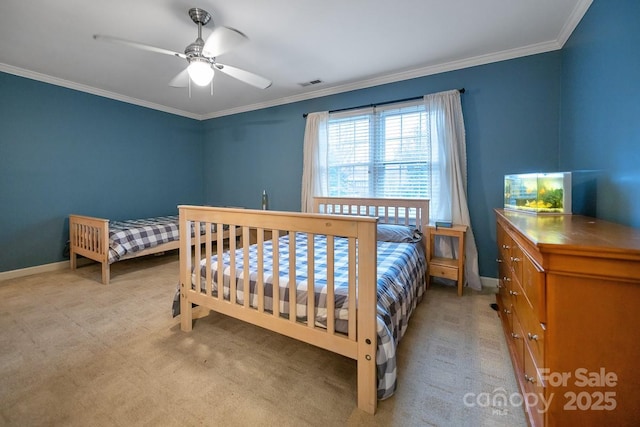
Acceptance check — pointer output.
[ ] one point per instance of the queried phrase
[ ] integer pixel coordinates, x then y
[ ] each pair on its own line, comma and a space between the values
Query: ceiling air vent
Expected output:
310, 83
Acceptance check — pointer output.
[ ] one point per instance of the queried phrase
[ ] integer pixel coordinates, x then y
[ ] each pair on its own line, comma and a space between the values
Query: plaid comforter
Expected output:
135, 235
400, 286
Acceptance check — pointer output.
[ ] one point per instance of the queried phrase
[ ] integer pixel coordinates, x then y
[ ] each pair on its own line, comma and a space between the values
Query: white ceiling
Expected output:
348, 44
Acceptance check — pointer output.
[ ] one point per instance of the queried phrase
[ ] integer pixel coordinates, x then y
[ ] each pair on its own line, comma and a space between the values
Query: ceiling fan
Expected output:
201, 55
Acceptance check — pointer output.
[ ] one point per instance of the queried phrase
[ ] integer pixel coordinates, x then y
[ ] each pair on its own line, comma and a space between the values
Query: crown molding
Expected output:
557, 44
576, 16
21, 72
396, 77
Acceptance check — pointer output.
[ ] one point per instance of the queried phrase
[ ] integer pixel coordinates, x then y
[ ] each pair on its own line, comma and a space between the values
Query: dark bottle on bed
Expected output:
265, 201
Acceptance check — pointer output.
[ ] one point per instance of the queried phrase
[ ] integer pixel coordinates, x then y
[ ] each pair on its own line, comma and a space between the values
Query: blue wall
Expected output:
574, 109
600, 114
511, 112
255, 151
64, 151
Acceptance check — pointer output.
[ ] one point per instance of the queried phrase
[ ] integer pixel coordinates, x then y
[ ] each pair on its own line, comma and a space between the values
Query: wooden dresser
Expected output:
569, 301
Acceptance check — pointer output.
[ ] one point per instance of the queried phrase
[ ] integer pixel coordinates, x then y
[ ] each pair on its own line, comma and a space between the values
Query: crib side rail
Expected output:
207, 289
360, 340
399, 211
388, 210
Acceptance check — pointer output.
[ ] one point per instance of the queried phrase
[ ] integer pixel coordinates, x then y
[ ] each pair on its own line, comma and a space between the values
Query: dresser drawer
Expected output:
439, 268
504, 245
534, 386
516, 262
533, 287
503, 281
505, 312
534, 336
516, 295
532, 331
518, 343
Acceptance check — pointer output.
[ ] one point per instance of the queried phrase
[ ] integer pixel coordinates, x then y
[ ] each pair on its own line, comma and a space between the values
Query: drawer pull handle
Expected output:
506, 247
514, 293
515, 259
506, 311
506, 279
498, 260
529, 379
515, 336
499, 285
532, 337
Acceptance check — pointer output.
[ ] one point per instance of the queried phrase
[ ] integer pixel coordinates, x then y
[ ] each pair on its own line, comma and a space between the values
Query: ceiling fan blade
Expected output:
180, 80
138, 45
243, 76
221, 40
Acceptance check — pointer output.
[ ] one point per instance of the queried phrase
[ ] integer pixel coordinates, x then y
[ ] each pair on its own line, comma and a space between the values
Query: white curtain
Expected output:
445, 111
314, 169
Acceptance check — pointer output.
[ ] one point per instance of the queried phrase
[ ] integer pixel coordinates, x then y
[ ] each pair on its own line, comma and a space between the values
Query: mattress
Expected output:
400, 286
132, 236
127, 237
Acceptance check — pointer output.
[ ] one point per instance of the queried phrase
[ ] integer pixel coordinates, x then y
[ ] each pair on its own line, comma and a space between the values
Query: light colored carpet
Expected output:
74, 352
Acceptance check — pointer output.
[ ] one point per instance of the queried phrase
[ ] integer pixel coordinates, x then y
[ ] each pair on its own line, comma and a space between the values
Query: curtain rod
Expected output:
415, 98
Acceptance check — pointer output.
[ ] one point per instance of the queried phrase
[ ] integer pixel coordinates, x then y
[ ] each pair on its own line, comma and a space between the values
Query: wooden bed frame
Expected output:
89, 237
345, 217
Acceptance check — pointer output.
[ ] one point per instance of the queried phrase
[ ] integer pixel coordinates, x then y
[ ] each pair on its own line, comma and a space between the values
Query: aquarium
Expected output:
538, 192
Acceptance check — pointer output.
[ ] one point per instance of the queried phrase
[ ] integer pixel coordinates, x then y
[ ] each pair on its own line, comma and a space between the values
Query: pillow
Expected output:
398, 233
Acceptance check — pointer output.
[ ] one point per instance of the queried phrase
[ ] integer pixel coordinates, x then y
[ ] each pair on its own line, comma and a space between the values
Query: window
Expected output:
382, 152
410, 149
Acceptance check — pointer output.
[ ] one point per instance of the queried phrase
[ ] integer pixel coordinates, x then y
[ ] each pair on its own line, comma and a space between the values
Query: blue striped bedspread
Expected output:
400, 286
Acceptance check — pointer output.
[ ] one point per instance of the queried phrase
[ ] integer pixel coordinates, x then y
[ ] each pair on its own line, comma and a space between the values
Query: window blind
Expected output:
384, 151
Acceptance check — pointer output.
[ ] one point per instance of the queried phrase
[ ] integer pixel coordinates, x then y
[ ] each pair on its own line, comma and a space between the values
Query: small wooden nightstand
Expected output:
446, 267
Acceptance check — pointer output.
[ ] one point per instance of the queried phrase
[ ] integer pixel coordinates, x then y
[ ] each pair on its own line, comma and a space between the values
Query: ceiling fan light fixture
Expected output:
202, 55
200, 71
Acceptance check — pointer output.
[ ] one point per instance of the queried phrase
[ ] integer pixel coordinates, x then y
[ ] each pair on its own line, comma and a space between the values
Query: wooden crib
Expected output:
354, 219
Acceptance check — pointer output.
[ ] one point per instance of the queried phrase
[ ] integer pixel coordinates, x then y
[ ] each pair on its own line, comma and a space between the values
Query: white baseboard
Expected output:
45, 268
489, 282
